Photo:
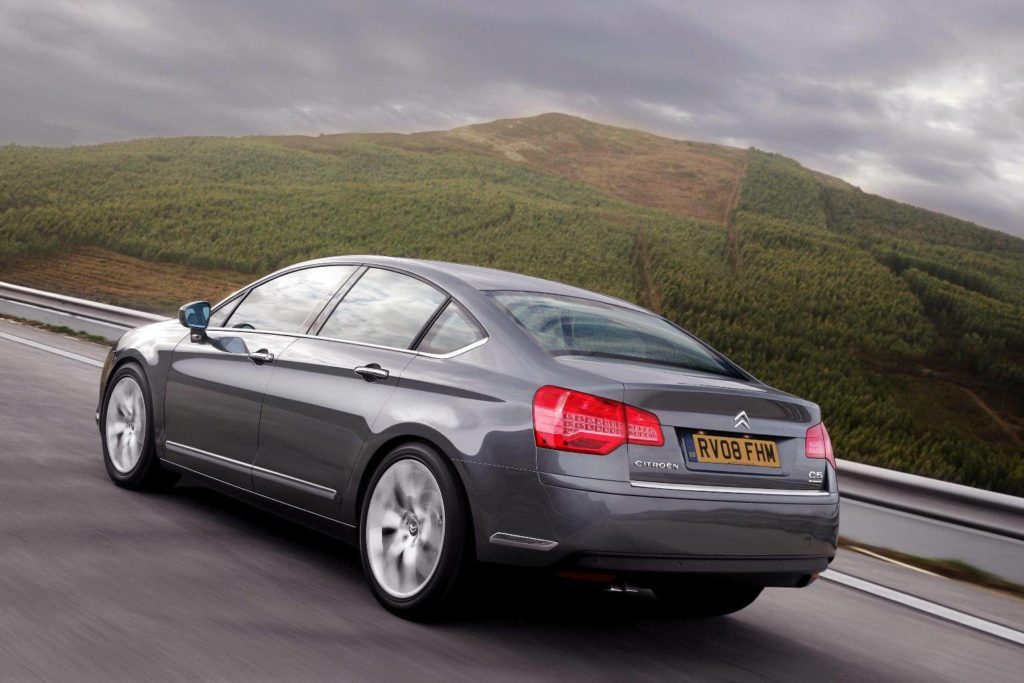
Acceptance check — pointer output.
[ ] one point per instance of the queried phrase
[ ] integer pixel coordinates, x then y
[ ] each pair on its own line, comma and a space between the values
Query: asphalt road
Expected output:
101, 584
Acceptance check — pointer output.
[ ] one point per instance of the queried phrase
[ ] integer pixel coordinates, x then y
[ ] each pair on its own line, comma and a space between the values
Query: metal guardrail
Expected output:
964, 506
994, 513
80, 315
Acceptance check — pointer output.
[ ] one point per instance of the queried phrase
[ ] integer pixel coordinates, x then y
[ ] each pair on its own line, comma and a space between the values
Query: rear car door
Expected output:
328, 388
215, 387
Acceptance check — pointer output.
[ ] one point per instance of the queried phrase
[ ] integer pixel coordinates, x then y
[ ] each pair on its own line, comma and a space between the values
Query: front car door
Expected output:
215, 387
326, 390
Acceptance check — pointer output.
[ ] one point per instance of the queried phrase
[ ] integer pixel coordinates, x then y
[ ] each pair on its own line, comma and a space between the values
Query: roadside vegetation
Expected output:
57, 329
905, 325
949, 568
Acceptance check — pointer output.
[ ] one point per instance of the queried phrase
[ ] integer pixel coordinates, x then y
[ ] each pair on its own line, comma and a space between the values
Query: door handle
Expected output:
260, 357
372, 372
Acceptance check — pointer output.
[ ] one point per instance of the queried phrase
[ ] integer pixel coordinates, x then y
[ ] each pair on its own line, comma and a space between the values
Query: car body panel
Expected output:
319, 424
214, 395
316, 416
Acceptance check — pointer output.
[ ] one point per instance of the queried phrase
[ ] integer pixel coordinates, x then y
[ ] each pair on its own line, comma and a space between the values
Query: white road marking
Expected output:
955, 616
883, 558
52, 349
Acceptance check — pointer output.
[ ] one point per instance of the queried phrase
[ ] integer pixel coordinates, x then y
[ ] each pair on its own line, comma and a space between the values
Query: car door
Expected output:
327, 389
215, 386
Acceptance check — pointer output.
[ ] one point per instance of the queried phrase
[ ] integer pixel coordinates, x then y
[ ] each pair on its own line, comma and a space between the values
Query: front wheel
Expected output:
127, 430
705, 598
414, 536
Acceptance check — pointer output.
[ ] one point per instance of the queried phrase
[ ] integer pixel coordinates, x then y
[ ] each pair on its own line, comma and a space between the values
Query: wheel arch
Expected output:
152, 372
379, 450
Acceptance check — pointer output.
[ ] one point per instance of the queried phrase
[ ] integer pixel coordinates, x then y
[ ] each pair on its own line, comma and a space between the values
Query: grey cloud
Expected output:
921, 101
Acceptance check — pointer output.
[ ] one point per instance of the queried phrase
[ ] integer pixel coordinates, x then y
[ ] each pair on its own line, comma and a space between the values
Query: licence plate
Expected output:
731, 450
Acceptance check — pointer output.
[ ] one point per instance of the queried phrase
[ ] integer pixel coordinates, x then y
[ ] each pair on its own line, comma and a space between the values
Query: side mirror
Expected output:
196, 317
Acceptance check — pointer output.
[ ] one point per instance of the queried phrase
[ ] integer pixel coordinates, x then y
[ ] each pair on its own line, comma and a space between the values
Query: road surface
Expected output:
101, 584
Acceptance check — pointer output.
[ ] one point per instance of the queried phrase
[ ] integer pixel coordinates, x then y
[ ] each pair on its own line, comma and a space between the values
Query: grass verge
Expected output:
59, 329
949, 568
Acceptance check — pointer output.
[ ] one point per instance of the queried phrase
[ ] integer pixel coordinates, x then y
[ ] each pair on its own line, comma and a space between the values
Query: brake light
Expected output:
566, 420
818, 444
643, 428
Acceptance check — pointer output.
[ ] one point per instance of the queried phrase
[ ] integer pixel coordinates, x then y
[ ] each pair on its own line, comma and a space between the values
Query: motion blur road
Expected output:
100, 584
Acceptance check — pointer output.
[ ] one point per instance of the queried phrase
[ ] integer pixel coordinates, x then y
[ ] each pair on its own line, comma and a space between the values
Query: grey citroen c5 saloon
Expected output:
442, 415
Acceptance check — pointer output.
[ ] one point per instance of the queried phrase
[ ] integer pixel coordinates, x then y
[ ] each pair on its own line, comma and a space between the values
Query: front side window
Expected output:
220, 316
570, 326
384, 308
284, 303
454, 329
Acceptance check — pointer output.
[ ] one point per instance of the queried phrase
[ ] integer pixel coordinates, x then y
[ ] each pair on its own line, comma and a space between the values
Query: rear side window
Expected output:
284, 303
452, 330
571, 326
384, 308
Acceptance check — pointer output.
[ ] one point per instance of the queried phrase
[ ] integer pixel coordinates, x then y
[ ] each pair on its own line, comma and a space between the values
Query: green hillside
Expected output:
905, 325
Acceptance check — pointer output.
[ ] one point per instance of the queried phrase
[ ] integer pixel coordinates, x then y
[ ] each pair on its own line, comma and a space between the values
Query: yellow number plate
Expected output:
728, 450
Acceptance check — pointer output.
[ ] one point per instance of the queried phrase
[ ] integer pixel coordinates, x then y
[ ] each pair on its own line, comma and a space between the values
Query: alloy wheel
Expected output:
125, 424
405, 528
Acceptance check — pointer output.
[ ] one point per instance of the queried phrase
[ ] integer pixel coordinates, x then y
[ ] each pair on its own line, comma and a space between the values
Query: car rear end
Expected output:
650, 468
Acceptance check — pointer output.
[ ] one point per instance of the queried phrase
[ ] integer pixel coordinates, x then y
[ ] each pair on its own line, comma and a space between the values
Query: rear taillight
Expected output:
818, 444
643, 428
566, 420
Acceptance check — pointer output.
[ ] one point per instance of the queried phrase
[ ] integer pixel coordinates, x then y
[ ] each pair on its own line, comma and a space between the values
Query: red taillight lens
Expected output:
818, 444
643, 428
573, 421
566, 420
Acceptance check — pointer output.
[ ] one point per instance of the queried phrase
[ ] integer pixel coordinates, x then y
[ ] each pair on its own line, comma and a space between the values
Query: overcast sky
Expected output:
919, 101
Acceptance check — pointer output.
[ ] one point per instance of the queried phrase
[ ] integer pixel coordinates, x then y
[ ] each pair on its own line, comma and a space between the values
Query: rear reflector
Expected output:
818, 444
566, 420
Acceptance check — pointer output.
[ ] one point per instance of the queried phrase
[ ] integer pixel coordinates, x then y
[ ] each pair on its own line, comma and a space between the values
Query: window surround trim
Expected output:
327, 310
335, 340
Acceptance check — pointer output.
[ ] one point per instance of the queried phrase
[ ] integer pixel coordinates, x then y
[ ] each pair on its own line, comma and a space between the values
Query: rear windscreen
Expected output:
570, 326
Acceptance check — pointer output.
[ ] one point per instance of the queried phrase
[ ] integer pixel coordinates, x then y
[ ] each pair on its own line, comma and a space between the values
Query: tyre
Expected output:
127, 432
705, 598
414, 534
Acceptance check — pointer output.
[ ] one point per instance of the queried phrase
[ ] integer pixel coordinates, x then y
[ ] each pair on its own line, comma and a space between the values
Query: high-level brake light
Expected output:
566, 420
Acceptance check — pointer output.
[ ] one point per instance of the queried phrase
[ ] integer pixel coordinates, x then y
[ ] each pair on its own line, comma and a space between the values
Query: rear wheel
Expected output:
127, 419
414, 536
705, 598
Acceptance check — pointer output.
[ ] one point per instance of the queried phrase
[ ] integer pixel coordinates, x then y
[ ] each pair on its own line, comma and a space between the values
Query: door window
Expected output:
284, 303
384, 308
452, 330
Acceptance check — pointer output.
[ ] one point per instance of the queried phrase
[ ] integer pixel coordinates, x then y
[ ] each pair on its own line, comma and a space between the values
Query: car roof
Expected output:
479, 278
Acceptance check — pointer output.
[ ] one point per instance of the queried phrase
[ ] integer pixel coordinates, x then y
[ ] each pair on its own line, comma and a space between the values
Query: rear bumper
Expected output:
591, 524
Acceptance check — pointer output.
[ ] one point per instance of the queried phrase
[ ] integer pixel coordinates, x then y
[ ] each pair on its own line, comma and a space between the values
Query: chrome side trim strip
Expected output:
450, 354
205, 455
250, 492
517, 541
694, 488
456, 352
286, 479
295, 481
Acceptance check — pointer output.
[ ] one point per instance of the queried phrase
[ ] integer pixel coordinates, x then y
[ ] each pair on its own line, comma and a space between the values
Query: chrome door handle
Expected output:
260, 357
372, 372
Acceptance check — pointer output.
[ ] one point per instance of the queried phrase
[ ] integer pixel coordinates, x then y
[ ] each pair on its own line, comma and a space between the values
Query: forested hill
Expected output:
907, 326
